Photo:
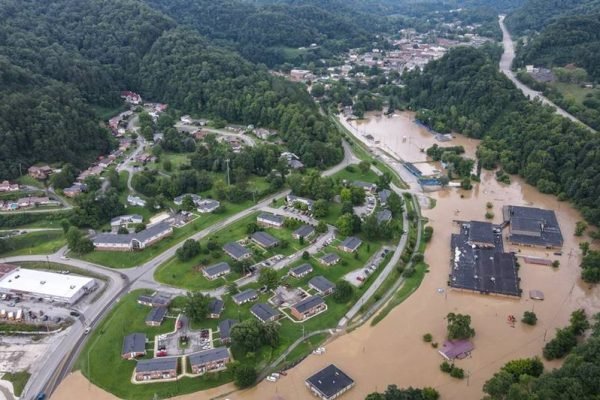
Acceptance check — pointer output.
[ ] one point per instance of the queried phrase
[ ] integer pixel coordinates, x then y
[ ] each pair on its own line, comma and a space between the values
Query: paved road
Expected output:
506, 64
249, 140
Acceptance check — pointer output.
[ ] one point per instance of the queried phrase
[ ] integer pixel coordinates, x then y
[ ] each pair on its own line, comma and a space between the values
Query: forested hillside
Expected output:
264, 33
568, 40
59, 58
535, 15
464, 91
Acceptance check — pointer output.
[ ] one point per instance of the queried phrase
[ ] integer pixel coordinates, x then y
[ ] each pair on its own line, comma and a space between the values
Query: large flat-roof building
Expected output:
132, 241
529, 226
48, 285
329, 383
480, 264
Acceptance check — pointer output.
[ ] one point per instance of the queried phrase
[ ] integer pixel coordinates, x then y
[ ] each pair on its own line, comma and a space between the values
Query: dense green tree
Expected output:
268, 278
189, 250
459, 326
196, 306
343, 291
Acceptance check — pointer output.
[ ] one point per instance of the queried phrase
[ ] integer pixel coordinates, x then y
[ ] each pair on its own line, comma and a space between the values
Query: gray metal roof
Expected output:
156, 314
264, 239
384, 195
244, 296
276, 219
207, 356
217, 269
157, 364
301, 269
225, 328
235, 250
351, 242
215, 306
208, 204
263, 311
321, 283
308, 303
152, 231
127, 219
330, 381
304, 230
134, 343
142, 236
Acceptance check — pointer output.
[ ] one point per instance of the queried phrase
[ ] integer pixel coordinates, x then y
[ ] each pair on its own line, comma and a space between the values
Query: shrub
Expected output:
529, 318
427, 337
457, 373
445, 367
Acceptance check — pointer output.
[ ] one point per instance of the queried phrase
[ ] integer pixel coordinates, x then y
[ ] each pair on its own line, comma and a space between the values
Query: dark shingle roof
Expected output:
384, 216
304, 230
329, 381
302, 269
215, 306
156, 364
263, 312
134, 343
235, 250
264, 239
245, 296
330, 258
156, 314
217, 269
225, 328
351, 242
308, 303
321, 283
207, 356
276, 219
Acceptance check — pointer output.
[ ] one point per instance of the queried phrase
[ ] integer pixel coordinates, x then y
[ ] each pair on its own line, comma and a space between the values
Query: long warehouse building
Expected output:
47, 285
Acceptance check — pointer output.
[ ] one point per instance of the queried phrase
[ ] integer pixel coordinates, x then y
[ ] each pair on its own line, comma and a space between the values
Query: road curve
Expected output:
506, 64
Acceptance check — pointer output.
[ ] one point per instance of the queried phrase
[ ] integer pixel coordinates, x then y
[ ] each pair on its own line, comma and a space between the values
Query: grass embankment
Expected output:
100, 360
361, 151
42, 242
18, 380
116, 259
187, 274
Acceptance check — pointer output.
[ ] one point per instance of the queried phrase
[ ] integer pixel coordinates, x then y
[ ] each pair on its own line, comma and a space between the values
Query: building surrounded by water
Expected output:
530, 226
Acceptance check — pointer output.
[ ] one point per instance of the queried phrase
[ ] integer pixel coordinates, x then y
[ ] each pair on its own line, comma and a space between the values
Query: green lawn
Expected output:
18, 379
100, 360
28, 180
188, 275
43, 242
574, 91
356, 175
116, 259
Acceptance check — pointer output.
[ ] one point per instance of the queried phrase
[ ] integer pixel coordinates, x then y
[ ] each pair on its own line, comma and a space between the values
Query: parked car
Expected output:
74, 314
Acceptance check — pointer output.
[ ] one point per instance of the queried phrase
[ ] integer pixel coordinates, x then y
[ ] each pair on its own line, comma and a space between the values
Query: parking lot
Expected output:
183, 340
367, 208
358, 276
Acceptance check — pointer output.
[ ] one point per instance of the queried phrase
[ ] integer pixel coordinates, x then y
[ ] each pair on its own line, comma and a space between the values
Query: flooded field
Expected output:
393, 351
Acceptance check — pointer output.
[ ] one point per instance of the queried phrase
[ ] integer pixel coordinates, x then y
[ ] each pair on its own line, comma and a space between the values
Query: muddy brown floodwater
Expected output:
393, 351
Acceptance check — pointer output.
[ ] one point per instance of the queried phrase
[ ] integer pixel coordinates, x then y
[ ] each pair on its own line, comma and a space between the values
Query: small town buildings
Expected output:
244, 296
366, 186
264, 312
131, 97
384, 216
136, 201
154, 300
40, 173
329, 259
156, 316
329, 383
305, 231
264, 134
322, 285
156, 368
132, 241
179, 199
270, 220
6, 186
126, 220
215, 271
207, 206
292, 200
456, 349
225, 330
209, 360
350, 244
301, 270
264, 240
308, 307
384, 195
237, 251
215, 308
75, 190
134, 346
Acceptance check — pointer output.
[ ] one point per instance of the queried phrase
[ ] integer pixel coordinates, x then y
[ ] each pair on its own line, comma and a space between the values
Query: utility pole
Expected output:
228, 180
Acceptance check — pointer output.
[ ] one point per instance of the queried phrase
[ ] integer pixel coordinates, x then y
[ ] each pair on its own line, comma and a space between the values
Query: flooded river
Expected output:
393, 351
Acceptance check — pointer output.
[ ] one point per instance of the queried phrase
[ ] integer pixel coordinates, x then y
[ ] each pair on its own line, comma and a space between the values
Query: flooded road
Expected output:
393, 351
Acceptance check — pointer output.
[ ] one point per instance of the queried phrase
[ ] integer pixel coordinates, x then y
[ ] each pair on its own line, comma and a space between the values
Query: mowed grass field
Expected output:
100, 360
42, 242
